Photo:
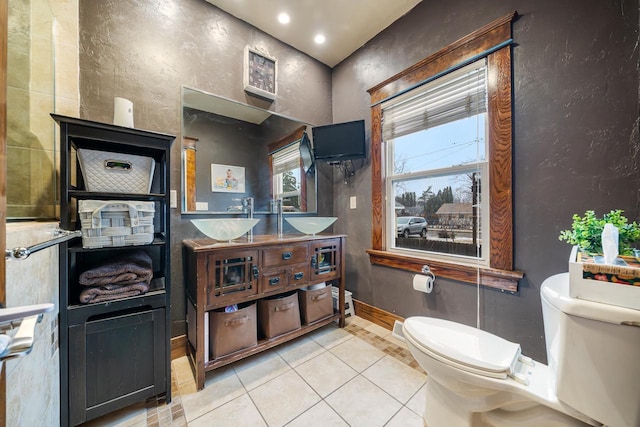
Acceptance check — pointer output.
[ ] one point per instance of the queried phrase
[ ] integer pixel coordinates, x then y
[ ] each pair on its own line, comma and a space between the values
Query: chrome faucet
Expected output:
279, 211
247, 205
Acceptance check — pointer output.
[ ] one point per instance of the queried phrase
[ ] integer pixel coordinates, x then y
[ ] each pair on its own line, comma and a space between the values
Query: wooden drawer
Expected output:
277, 279
273, 280
285, 255
298, 275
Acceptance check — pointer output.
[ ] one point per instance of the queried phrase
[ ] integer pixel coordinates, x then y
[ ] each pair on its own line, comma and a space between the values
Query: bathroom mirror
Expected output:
231, 151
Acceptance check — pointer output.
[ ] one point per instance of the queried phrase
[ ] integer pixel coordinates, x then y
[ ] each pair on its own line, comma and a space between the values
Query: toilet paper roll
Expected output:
122, 112
423, 283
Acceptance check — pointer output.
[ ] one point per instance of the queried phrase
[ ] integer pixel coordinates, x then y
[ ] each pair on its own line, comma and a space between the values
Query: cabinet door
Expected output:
231, 276
325, 260
115, 361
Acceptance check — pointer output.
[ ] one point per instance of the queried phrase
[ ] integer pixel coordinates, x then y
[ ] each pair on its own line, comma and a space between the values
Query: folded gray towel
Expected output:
93, 294
132, 268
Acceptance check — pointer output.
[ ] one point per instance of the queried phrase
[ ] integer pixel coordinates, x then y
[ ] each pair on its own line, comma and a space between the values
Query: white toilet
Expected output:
479, 379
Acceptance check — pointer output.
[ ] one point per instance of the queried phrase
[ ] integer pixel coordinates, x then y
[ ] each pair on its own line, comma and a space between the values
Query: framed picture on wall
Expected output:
227, 178
260, 74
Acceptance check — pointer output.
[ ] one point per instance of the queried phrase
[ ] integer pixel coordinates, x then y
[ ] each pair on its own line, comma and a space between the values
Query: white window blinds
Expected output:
286, 159
454, 96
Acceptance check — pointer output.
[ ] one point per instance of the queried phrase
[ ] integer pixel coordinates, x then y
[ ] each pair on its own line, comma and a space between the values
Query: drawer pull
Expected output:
256, 272
235, 322
284, 307
298, 276
121, 165
274, 281
319, 296
286, 255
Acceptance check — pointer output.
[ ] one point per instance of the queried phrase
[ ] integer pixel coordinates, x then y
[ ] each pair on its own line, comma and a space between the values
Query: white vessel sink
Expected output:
225, 229
311, 224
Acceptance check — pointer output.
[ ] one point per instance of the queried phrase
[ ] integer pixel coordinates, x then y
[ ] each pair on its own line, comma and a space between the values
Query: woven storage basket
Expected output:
115, 223
116, 172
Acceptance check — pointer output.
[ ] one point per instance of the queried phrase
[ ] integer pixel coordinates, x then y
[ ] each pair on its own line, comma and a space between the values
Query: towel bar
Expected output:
25, 319
20, 253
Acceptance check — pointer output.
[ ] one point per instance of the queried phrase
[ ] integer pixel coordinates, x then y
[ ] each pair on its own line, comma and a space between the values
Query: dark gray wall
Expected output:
576, 145
575, 68
146, 50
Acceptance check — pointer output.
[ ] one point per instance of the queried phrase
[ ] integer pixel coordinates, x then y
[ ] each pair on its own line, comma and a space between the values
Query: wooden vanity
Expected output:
218, 275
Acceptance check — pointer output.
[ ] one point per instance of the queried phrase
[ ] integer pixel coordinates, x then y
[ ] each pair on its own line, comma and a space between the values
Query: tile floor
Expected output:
357, 376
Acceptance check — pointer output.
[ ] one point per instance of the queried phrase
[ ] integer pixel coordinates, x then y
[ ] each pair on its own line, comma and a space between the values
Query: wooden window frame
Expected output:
493, 41
189, 165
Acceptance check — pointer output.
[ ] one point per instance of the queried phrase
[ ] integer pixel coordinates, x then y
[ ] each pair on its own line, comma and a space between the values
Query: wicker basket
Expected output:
116, 172
115, 223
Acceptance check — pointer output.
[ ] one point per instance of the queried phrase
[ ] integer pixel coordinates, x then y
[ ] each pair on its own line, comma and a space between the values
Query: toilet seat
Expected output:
463, 347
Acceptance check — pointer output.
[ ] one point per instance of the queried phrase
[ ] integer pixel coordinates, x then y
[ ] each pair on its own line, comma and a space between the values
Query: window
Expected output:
471, 191
287, 171
286, 175
436, 156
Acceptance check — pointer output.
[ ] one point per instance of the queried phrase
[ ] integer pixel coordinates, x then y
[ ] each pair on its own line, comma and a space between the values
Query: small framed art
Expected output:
227, 178
260, 74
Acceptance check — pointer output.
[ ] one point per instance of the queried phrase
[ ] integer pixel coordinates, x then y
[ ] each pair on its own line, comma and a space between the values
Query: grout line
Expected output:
385, 345
159, 414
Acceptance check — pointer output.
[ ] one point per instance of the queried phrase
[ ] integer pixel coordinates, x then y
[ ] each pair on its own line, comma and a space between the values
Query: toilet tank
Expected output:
593, 350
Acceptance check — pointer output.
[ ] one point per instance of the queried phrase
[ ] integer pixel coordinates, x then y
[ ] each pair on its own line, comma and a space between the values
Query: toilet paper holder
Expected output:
424, 282
427, 271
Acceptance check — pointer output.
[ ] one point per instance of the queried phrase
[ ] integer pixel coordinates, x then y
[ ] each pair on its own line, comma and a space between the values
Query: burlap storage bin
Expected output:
316, 304
231, 332
278, 315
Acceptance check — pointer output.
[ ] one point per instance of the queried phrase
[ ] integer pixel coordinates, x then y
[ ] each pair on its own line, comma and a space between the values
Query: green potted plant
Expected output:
586, 232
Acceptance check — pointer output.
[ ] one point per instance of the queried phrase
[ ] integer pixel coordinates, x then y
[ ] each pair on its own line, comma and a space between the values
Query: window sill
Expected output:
504, 280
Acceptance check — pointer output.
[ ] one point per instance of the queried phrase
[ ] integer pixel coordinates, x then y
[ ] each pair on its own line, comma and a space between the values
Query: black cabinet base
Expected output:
114, 362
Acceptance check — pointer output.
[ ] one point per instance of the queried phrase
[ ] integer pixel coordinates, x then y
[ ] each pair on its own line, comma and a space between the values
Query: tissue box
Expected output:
604, 283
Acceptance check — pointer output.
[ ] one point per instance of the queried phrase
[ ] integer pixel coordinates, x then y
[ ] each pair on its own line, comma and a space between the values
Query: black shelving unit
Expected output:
115, 353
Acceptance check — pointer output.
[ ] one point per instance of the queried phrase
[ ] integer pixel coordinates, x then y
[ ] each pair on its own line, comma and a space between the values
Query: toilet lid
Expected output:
473, 348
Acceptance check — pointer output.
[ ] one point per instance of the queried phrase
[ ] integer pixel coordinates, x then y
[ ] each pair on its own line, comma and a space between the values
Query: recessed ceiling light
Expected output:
319, 39
283, 18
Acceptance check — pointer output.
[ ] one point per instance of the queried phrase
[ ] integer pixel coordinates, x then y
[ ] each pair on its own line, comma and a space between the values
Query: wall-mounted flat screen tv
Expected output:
339, 141
306, 154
